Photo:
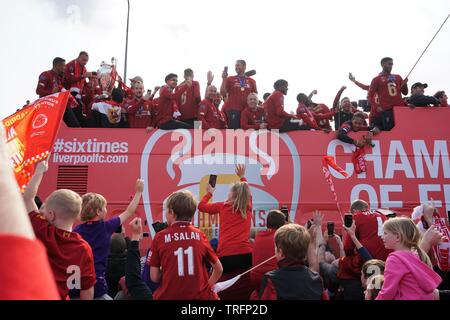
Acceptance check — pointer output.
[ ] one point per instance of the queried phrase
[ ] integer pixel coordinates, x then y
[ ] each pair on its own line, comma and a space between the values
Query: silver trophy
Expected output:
107, 76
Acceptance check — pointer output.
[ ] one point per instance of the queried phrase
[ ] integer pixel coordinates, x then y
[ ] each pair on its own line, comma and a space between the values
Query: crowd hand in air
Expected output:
209, 77
351, 77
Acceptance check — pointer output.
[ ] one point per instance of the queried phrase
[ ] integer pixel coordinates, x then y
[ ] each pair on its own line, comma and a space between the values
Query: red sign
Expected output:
30, 134
407, 166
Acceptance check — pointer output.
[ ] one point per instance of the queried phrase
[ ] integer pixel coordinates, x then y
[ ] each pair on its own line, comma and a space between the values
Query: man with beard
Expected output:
253, 116
139, 107
345, 112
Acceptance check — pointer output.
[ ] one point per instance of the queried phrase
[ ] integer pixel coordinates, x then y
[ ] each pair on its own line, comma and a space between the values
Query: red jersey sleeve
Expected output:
211, 208
362, 86
202, 110
253, 86
279, 109
69, 77
155, 260
25, 273
373, 89
88, 277
44, 87
197, 95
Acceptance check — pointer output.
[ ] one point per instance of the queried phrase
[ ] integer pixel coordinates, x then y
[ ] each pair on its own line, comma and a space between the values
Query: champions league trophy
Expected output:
107, 76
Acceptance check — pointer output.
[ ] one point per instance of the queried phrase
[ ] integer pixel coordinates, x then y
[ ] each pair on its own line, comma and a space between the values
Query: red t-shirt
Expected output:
139, 112
323, 115
49, 82
251, 119
210, 115
181, 250
389, 91
274, 108
234, 230
263, 249
167, 105
304, 113
67, 252
188, 101
25, 273
73, 76
238, 89
369, 229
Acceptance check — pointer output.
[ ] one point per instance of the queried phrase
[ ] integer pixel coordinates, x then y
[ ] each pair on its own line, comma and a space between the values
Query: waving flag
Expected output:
328, 161
31, 132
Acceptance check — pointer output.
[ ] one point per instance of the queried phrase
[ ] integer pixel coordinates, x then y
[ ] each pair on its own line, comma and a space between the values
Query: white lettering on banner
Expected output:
331, 151
421, 154
373, 198
423, 193
395, 148
384, 196
89, 146
88, 158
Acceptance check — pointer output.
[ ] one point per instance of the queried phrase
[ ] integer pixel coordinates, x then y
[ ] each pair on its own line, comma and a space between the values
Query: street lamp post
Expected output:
126, 45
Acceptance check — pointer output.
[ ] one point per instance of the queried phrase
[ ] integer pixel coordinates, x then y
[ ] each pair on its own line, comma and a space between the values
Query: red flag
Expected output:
329, 161
31, 132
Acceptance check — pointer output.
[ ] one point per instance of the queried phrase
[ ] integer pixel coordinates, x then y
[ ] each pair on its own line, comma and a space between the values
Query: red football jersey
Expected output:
263, 249
323, 115
49, 82
181, 251
252, 119
369, 229
274, 108
303, 112
74, 76
210, 116
139, 112
67, 252
234, 231
238, 89
167, 105
188, 101
388, 87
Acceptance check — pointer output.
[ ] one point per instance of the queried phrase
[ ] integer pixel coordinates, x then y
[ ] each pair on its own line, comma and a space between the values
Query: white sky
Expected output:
311, 44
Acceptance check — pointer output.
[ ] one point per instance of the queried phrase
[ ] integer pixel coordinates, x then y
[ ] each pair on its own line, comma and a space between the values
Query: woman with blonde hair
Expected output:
234, 249
408, 274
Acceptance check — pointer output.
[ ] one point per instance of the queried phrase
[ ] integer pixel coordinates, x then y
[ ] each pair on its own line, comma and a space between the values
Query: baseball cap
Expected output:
137, 79
419, 84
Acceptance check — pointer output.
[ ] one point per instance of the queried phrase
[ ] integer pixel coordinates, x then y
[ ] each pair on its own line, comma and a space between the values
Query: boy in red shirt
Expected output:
253, 116
70, 257
388, 88
179, 254
264, 247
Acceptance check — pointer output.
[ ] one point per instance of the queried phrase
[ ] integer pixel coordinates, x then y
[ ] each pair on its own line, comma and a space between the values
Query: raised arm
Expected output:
136, 286
134, 203
338, 97
32, 188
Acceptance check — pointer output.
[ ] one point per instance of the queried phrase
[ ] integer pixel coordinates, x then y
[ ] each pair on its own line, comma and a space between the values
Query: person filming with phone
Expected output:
234, 249
368, 229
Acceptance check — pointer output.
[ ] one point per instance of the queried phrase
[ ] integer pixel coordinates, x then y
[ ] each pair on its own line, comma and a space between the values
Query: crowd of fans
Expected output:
179, 105
379, 257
